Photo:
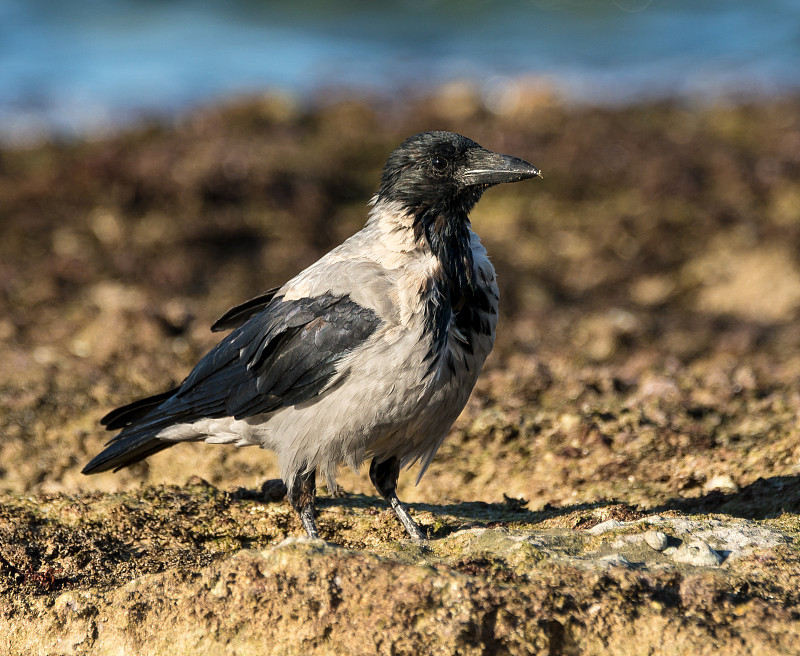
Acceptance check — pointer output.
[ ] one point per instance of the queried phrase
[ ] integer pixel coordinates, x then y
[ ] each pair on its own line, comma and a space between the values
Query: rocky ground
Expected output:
624, 480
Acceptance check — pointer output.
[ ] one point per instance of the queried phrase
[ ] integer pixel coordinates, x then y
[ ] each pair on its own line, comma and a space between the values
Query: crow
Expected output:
370, 352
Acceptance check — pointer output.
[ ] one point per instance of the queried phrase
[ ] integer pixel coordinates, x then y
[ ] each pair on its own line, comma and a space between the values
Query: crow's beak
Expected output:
488, 168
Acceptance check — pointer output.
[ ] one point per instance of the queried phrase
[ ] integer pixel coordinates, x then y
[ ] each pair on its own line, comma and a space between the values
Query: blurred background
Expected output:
77, 67
161, 161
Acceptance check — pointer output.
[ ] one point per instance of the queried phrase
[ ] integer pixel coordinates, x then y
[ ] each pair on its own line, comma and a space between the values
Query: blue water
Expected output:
77, 66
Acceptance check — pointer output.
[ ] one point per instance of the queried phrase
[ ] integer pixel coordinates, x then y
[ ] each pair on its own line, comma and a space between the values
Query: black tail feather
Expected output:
128, 414
124, 453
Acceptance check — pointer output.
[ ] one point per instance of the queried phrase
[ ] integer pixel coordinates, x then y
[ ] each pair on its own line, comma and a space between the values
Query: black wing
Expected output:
284, 355
236, 316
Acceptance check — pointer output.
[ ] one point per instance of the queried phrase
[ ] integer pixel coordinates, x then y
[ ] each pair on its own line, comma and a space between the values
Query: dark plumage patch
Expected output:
438, 314
471, 319
284, 355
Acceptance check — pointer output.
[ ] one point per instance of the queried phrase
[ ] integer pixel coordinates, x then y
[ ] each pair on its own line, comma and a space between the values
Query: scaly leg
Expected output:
384, 477
301, 496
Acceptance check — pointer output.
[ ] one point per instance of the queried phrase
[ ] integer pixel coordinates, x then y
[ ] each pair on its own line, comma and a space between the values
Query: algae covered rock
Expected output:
528, 588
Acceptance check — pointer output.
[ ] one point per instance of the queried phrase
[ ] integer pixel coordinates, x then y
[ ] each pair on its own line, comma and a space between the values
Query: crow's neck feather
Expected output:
445, 230
445, 227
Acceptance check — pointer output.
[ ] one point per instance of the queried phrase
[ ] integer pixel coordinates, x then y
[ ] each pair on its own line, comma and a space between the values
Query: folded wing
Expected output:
285, 353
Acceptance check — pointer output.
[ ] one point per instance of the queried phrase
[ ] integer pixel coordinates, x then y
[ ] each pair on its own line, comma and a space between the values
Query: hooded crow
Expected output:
371, 352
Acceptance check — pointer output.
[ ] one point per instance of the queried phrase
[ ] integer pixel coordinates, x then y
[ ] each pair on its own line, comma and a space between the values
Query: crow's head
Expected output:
445, 173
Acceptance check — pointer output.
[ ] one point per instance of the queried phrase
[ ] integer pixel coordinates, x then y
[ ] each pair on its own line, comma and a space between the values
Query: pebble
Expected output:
723, 483
656, 540
698, 553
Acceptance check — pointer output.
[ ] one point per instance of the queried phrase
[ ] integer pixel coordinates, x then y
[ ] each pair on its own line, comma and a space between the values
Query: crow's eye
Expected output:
439, 163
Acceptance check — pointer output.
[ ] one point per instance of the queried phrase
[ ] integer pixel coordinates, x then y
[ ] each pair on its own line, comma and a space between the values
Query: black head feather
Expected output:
425, 171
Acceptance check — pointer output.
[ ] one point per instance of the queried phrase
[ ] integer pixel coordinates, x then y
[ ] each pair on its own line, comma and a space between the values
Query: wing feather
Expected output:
285, 354
237, 315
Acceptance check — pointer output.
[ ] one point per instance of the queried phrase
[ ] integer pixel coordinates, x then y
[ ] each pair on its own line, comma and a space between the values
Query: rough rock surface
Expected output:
624, 479
519, 590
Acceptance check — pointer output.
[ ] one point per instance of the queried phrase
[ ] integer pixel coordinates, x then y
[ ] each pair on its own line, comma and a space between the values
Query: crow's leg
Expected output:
384, 477
301, 496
